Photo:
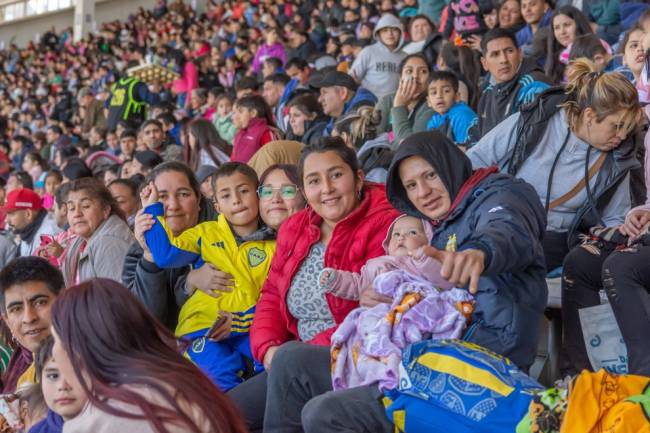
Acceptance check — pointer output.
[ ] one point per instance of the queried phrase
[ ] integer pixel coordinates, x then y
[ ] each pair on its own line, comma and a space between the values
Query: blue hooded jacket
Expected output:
361, 97
501, 216
53, 423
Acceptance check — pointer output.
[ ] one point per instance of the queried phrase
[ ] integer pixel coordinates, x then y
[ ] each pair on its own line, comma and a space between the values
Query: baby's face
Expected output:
406, 237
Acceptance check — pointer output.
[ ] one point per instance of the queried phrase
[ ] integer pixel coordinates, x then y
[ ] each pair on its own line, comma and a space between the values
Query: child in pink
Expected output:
366, 348
406, 238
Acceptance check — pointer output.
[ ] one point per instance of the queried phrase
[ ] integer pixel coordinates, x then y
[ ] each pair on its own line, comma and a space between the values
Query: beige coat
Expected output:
94, 420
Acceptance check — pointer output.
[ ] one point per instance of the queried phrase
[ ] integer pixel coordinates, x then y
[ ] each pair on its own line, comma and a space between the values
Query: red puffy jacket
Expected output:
354, 241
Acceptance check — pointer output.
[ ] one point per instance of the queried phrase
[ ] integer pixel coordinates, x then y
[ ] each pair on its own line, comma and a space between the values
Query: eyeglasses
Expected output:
288, 191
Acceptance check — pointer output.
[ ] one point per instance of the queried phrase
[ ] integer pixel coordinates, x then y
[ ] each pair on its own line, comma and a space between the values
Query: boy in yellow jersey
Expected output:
236, 243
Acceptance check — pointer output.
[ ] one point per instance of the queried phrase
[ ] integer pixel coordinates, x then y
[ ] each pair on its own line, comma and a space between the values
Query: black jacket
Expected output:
162, 291
498, 101
504, 218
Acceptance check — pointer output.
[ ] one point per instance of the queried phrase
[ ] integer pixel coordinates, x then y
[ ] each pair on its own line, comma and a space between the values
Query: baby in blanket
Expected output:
367, 346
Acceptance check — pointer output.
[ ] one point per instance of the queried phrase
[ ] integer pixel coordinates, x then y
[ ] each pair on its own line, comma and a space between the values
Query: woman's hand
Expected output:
474, 41
268, 357
210, 280
460, 267
635, 223
149, 195
406, 92
369, 298
143, 223
54, 249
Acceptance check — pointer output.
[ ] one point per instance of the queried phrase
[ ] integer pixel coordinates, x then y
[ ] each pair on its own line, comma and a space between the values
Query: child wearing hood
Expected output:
366, 348
404, 247
376, 67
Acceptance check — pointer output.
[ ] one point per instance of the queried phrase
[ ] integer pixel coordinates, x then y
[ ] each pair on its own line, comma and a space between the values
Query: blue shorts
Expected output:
225, 361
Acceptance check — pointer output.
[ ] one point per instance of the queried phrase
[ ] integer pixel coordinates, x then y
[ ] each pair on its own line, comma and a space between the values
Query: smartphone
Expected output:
46, 239
216, 325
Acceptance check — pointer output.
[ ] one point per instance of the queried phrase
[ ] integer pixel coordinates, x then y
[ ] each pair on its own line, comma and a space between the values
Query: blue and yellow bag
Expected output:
453, 386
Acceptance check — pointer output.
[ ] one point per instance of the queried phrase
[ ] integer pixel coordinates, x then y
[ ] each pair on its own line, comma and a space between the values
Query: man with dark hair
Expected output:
298, 69
154, 138
274, 93
246, 86
128, 143
512, 80
28, 287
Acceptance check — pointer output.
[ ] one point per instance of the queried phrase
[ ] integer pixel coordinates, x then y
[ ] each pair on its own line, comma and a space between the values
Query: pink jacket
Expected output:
348, 285
250, 139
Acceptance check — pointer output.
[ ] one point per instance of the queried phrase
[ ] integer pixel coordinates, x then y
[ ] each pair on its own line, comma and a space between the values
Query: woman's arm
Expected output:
495, 148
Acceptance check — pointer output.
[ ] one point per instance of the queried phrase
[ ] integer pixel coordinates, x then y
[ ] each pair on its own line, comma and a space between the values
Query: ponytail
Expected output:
604, 93
360, 126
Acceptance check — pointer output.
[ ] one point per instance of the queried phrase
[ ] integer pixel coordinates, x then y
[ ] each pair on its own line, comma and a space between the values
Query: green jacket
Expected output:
398, 119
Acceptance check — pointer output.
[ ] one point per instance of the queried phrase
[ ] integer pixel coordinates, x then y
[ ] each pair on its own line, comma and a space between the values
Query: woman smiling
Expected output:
344, 226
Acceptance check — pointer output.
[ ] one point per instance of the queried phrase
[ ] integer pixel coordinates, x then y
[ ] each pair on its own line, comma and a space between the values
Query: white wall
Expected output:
25, 29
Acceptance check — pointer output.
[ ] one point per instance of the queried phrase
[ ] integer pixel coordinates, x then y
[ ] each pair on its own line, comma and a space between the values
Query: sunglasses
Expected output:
288, 191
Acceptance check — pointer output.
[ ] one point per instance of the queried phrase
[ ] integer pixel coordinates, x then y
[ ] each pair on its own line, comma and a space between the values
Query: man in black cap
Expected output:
340, 94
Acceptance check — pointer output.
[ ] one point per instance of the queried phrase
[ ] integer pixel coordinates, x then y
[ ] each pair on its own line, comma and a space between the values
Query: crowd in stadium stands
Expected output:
336, 216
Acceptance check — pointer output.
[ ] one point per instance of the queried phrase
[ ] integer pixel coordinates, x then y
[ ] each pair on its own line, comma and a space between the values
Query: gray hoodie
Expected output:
376, 67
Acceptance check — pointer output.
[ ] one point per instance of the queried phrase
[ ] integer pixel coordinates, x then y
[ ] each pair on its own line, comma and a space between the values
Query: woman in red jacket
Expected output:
343, 227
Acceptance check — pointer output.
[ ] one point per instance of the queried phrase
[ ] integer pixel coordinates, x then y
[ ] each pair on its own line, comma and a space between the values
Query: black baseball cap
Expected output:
335, 78
148, 158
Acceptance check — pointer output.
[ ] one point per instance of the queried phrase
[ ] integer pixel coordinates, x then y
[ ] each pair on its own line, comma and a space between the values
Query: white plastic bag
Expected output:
603, 339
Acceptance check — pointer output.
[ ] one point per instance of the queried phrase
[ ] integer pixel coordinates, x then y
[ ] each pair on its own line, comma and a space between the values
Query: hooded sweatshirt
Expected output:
500, 216
347, 285
376, 67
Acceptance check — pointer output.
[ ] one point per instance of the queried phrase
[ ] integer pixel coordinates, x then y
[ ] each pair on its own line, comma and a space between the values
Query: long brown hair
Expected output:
115, 344
206, 136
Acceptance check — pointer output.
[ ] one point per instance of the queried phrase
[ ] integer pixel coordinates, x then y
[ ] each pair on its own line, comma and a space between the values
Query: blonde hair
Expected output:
360, 126
604, 93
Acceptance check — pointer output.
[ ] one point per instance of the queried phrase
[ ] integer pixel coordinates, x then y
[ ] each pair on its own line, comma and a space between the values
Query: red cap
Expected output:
23, 198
